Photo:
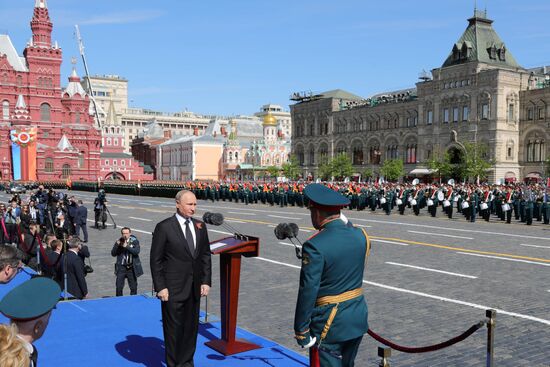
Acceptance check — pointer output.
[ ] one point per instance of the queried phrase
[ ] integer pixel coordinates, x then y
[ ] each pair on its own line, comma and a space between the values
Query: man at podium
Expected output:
331, 312
182, 271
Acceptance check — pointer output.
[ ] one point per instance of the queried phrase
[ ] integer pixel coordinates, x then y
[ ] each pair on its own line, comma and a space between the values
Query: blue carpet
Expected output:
127, 331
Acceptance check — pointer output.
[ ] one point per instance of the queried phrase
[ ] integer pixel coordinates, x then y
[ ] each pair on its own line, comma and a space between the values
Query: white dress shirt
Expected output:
181, 221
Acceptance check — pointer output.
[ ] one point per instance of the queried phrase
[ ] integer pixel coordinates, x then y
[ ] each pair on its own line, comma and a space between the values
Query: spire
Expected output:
64, 144
111, 114
21, 102
41, 25
20, 112
74, 86
41, 4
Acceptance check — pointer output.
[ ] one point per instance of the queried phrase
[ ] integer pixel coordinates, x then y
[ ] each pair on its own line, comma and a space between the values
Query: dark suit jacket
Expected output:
81, 215
172, 264
76, 281
120, 252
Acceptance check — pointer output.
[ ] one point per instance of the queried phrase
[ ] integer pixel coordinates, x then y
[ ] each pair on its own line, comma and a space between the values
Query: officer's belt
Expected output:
339, 298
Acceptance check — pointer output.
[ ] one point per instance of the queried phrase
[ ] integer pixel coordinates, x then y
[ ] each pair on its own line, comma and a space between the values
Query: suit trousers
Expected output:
180, 324
347, 349
84, 231
122, 274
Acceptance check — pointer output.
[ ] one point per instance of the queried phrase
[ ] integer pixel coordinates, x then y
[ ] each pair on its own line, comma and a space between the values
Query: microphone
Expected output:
217, 219
289, 230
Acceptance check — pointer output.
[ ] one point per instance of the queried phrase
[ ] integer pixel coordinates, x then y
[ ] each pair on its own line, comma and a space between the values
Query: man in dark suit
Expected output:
182, 271
128, 264
81, 216
74, 267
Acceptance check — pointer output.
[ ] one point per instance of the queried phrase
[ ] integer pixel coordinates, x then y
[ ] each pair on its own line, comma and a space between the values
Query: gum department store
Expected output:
480, 93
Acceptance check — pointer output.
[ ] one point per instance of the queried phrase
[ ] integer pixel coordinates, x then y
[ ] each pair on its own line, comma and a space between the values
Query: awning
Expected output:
533, 175
422, 171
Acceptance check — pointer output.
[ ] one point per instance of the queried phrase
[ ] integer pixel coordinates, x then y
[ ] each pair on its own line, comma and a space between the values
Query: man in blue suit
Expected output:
331, 312
81, 216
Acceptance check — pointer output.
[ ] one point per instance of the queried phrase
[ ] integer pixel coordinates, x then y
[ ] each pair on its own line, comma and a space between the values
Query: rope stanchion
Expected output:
429, 348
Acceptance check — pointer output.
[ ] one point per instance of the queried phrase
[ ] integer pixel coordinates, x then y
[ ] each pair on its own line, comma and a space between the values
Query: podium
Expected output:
231, 249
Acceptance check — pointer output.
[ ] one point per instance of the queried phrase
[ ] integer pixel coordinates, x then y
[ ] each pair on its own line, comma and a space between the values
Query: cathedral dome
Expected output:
270, 120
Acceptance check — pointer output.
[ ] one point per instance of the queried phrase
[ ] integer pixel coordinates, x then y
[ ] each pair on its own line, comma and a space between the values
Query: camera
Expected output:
122, 240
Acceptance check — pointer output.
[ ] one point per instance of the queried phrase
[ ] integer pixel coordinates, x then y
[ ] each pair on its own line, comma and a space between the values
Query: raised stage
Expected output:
127, 331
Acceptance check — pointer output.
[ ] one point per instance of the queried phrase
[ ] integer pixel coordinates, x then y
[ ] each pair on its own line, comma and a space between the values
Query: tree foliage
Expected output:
476, 163
291, 169
273, 171
392, 169
441, 163
338, 167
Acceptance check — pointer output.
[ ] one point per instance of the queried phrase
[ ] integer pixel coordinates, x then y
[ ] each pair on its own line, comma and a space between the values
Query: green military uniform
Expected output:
331, 306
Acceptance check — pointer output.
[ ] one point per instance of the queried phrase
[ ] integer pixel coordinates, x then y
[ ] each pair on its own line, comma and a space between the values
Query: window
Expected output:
484, 111
536, 151
115, 141
81, 160
48, 167
455, 114
106, 162
45, 112
77, 117
530, 113
66, 171
509, 152
114, 162
123, 162
19, 80
109, 141
6, 110
430, 117
541, 113
415, 120
510, 112
409, 121
465, 113
446, 115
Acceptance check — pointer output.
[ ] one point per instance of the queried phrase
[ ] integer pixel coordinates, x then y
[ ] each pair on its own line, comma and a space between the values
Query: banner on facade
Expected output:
24, 153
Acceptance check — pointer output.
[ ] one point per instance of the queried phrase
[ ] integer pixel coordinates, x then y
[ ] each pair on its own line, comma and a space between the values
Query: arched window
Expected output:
66, 171
77, 117
374, 155
6, 110
536, 151
230, 156
237, 156
48, 167
357, 154
45, 112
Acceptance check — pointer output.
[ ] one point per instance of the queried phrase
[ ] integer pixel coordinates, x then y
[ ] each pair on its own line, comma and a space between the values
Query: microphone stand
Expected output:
65, 266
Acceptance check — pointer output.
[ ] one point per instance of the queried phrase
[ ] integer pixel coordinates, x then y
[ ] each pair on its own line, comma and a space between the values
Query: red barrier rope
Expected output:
429, 348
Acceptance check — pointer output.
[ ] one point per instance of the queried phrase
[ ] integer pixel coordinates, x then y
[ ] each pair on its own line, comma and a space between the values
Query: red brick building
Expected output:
46, 131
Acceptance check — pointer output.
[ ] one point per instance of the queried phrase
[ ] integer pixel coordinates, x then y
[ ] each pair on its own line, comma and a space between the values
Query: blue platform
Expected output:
127, 331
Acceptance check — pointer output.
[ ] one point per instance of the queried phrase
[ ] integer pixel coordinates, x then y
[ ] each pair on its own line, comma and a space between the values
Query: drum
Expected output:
505, 207
446, 203
483, 206
413, 202
455, 199
399, 201
409, 199
430, 202
465, 205
382, 200
440, 196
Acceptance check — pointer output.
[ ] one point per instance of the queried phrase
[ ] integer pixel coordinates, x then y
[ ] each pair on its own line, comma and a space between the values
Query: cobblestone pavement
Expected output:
428, 279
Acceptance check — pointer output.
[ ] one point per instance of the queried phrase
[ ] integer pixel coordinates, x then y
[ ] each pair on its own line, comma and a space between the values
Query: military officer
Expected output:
29, 307
331, 311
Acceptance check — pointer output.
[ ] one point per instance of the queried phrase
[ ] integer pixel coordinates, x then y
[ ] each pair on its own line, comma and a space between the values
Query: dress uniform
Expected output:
331, 311
32, 300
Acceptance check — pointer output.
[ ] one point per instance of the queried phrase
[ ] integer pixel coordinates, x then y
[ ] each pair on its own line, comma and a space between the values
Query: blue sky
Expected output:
231, 57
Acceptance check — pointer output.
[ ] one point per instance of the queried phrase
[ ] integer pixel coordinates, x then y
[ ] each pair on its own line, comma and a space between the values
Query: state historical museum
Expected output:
46, 131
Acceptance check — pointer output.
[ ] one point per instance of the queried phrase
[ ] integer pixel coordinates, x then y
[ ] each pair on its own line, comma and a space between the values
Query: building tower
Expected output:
270, 128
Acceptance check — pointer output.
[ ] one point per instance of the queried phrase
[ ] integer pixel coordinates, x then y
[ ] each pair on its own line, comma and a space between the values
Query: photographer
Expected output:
128, 264
100, 210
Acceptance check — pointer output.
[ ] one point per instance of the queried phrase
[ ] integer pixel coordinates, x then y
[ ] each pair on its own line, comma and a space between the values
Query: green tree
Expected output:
325, 171
273, 171
291, 169
368, 173
476, 163
392, 169
341, 166
441, 163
